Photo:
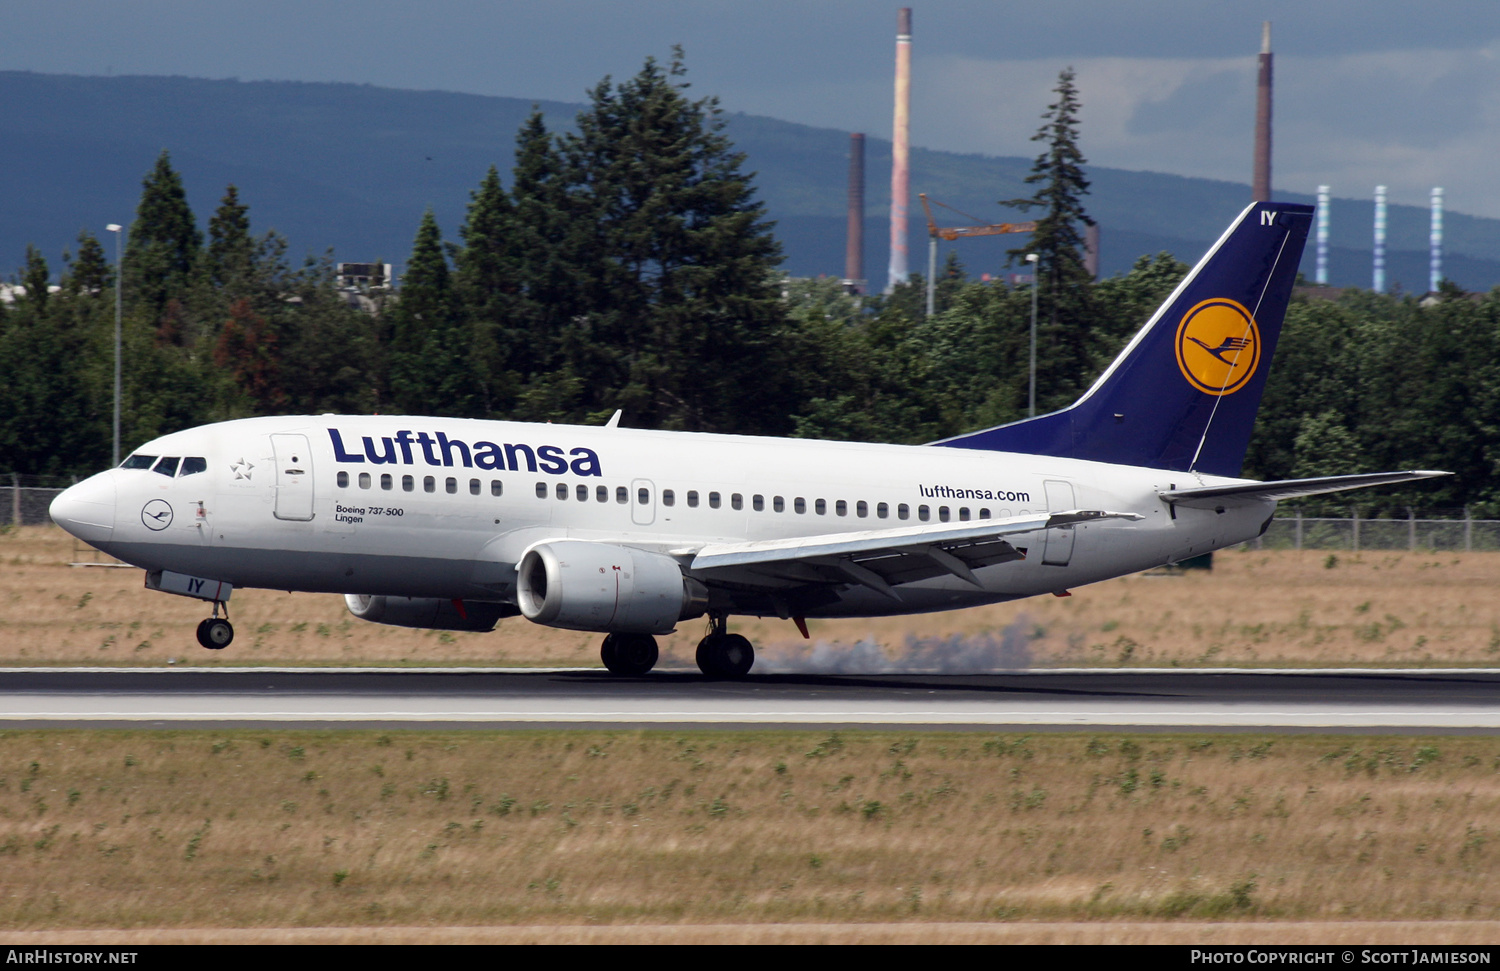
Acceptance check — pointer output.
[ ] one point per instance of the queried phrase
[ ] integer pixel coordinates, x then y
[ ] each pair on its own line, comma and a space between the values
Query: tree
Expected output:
164, 241
681, 275
431, 369
1058, 239
230, 248
90, 271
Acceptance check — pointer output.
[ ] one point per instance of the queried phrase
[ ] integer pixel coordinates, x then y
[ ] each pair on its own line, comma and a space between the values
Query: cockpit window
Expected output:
167, 466
139, 462
192, 464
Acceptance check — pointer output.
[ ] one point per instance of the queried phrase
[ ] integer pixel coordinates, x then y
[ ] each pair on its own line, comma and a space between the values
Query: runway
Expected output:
1449, 700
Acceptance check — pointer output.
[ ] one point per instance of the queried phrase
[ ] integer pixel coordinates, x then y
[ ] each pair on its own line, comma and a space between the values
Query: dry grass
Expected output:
301, 829
1255, 608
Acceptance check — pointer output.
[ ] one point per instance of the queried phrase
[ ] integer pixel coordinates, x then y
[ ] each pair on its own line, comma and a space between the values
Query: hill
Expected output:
352, 167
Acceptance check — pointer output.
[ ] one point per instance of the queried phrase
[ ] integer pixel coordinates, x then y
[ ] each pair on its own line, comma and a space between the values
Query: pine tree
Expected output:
90, 272
686, 296
164, 241
231, 251
36, 278
1064, 345
1061, 186
487, 284
431, 368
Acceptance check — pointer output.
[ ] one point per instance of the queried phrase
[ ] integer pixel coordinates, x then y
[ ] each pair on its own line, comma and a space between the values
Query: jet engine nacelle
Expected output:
601, 587
431, 613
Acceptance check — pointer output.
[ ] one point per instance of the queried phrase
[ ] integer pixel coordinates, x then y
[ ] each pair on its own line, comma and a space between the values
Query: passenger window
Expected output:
429, 484
923, 513
622, 494
387, 482
778, 504
862, 509
451, 485
737, 501
713, 500
943, 514
984, 514
473, 487
668, 497
800, 505
582, 491
364, 480
408, 484
692, 498
192, 465
821, 507
139, 462
643, 496
601, 493
562, 491
841, 508
167, 466
541, 490
903, 511
343, 478
495, 487
882, 511
963, 514
758, 502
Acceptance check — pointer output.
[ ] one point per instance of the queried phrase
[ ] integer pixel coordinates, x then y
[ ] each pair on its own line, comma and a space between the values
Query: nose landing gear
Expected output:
216, 632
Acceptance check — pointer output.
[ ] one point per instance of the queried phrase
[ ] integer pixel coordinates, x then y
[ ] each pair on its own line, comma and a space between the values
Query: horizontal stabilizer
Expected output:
1289, 488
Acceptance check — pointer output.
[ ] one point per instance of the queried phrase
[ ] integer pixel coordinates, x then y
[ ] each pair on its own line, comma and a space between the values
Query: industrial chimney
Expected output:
1435, 242
854, 249
1261, 189
900, 149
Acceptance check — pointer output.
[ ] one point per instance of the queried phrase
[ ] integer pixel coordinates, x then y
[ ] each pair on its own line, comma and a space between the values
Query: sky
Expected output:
1367, 91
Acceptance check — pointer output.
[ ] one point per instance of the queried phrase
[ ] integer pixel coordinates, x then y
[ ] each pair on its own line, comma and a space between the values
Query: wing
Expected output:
881, 559
1288, 488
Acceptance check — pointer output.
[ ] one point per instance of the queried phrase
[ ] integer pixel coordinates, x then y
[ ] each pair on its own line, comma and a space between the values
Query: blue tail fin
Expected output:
1184, 392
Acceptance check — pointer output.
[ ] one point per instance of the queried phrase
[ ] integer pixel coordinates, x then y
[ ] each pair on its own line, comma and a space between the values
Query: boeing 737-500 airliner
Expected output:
454, 524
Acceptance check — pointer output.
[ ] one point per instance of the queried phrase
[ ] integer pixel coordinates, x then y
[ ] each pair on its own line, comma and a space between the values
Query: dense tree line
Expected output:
627, 264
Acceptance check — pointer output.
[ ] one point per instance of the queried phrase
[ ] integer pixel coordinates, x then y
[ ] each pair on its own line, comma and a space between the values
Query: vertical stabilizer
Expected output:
1184, 392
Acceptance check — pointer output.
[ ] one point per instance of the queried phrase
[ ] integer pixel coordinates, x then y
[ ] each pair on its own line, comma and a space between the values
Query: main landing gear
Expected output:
630, 655
722, 655
216, 632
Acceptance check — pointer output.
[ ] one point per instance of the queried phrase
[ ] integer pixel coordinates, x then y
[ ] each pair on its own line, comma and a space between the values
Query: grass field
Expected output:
300, 829
1282, 608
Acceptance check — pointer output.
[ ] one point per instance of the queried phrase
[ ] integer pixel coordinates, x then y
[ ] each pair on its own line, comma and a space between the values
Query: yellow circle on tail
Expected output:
1218, 346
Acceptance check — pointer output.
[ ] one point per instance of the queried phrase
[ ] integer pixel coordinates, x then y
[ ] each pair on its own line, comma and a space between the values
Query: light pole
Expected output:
118, 230
1036, 280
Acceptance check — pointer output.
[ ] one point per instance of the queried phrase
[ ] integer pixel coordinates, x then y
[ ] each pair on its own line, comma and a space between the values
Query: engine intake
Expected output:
601, 587
430, 613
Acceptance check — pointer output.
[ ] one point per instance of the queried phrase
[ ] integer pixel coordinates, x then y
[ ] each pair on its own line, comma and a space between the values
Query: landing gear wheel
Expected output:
629, 655
725, 656
215, 633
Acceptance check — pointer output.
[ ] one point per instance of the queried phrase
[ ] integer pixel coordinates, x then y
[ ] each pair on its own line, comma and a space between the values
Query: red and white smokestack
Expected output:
1261, 190
854, 249
901, 149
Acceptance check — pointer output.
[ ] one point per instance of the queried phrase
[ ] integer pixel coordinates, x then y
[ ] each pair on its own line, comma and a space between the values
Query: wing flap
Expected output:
939, 547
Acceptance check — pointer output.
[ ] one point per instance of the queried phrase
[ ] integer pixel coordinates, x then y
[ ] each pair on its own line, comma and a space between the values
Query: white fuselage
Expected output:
438, 507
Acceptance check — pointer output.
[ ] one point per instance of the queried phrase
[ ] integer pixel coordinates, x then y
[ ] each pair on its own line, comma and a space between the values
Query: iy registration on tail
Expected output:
454, 524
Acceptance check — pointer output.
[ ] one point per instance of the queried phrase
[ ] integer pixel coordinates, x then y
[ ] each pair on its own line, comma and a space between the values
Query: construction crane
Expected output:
936, 232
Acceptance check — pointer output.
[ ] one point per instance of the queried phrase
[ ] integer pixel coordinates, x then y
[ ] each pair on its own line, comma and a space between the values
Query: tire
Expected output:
725, 656
215, 633
629, 655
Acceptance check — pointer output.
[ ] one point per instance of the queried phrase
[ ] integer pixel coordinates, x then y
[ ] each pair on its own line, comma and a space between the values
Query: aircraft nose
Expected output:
87, 510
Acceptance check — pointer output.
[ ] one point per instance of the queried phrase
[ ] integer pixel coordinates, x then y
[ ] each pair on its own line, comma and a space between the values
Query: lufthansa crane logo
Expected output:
1218, 346
157, 514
